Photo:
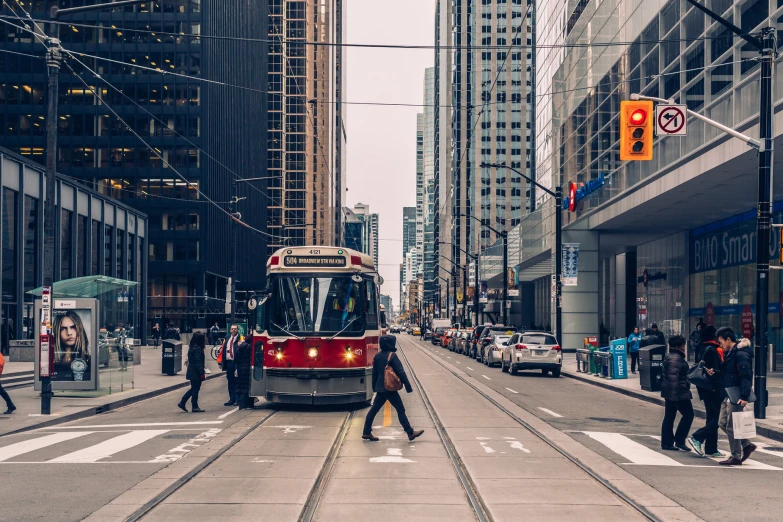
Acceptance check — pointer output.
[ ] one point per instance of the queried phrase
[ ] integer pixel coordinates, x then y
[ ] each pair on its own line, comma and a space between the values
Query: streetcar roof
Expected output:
319, 259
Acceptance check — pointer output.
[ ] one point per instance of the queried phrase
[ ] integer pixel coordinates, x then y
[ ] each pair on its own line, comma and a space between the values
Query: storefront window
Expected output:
9, 245
661, 276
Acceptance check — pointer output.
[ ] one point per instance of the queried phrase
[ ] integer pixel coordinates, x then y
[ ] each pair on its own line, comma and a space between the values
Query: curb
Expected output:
763, 431
103, 408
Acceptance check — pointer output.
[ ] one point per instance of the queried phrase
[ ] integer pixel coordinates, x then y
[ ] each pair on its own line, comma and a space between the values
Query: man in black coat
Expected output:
659, 334
388, 356
242, 371
737, 373
676, 391
196, 373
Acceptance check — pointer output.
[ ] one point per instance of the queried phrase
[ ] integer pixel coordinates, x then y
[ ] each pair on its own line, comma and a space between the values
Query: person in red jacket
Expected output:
4, 394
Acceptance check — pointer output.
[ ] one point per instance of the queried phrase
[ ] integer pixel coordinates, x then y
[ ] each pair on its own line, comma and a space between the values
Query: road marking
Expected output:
387, 418
487, 378
27, 446
515, 444
512, 391
550, 412
459, 362
393, 456
447, 357
108, 448
469, 368
633, 451
174, 454
291, 428
143, 425
228, 413
487, 448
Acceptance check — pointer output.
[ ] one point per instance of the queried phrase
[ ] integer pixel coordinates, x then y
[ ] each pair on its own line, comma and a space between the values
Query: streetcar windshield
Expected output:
306, 305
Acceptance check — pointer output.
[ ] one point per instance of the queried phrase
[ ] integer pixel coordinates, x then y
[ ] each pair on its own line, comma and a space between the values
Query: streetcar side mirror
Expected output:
384, 324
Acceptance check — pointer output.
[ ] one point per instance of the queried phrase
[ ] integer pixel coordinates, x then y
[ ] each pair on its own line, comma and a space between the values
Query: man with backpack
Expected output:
4, 394
388, 376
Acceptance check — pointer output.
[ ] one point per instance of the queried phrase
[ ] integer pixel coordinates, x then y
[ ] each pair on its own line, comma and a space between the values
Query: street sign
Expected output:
670, 120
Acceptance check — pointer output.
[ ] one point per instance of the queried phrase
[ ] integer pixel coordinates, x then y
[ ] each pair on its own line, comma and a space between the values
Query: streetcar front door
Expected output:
258, 379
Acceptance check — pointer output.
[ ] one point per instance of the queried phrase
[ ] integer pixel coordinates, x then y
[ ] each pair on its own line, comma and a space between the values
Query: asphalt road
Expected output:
68, 471
627, 430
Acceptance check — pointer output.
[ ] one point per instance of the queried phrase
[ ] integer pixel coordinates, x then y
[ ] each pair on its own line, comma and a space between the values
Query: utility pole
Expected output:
53, 63
232, 278
464, 294
504, 235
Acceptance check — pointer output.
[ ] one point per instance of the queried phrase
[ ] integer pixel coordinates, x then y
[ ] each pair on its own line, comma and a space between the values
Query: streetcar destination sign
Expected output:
315, 261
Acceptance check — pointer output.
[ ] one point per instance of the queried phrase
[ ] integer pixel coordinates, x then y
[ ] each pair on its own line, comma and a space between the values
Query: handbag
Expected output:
744, 424
391, 382
699, 377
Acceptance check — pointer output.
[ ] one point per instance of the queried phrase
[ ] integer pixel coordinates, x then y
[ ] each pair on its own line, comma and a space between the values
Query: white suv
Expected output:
532, 351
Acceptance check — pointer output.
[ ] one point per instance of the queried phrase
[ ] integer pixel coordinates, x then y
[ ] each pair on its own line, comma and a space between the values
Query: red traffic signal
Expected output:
638, 116
636, 130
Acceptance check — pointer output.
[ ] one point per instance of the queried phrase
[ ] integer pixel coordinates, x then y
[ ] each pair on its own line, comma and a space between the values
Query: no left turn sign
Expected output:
670, 120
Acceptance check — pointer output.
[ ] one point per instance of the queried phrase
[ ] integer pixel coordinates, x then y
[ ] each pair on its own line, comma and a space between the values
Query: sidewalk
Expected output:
148, 381
771, 427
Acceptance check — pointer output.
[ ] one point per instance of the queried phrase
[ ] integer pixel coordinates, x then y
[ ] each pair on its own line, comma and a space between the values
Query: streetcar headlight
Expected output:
279, 355
313, 353
348, 353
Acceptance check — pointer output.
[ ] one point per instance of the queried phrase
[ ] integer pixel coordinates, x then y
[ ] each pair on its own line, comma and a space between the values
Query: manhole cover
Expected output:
607, 419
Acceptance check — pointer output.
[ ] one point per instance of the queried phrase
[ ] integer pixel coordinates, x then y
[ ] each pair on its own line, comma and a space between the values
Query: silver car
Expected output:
491, 353
532, 351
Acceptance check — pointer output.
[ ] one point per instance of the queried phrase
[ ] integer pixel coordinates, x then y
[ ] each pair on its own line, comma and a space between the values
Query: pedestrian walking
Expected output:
196, 373
227, 357
696, 341
388, 357
676, 391
633, 347
156, 334
659, 334
736, 373
704, 441
172, 333
214, 332
4, 394
242, 372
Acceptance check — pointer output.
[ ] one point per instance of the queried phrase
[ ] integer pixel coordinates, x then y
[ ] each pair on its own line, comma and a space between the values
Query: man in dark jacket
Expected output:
659, 334
737, 373
676, 390
242, 371
388, 356
196, 373
705, 440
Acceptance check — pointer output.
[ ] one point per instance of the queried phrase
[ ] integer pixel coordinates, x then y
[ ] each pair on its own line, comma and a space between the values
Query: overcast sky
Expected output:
382, 140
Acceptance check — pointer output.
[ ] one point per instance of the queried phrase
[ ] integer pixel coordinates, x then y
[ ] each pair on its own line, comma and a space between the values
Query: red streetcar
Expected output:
317, 327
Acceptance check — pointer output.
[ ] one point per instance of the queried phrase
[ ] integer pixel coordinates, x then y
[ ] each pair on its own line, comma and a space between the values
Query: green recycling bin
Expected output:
595, 366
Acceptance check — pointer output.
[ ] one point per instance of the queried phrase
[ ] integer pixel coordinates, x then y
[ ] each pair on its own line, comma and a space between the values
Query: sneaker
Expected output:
182, 407
197, 410
370, 437
731, 461
415, 434
747, 450
670, 448
696, 445
716, 455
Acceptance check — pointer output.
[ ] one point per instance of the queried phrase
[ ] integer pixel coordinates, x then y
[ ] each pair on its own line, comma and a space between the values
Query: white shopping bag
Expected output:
744, 424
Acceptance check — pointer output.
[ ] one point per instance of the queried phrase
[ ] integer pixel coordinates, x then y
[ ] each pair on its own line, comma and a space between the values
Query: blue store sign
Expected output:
586, 189
727, 243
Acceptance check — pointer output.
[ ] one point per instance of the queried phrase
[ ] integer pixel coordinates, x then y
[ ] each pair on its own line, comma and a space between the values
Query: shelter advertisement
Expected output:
570, 264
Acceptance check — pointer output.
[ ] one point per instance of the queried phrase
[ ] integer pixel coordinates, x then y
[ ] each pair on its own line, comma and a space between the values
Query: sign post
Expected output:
45, 352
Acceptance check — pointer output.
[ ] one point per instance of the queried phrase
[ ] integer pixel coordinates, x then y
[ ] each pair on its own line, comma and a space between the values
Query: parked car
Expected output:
454, 341
446, 338
532, 351
491, 353
428, 335
395, 328
486, 338
416, 331
436, 335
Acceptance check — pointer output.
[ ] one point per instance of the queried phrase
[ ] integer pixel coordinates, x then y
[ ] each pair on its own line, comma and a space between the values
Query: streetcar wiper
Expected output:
286, 331
344, 328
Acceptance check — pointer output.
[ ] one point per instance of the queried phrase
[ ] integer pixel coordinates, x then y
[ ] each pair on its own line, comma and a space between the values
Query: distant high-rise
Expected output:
408, 229
369, 230
428, 179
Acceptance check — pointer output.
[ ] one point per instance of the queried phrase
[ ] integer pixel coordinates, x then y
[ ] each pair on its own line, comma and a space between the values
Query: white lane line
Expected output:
469, 368
143, 425
20, 448
487, 378
447, 357
512, 391
550, 412
459, 362
228, 413
109, 447
633, 451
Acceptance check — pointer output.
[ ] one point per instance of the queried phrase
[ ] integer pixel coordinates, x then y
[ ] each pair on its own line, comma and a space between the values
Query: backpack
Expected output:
391, 382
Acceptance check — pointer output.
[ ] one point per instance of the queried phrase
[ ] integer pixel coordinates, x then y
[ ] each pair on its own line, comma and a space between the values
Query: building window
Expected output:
30, 243
81, 249
66, 240
108, 243
95, 253
9, 245
120, 241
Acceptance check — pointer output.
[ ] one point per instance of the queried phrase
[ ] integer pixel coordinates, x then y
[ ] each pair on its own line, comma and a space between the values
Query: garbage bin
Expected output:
171, 353
605, 358
651, 366
595, 368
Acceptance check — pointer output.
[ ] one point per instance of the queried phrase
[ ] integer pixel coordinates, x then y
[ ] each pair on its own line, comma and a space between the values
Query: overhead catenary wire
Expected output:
198, 36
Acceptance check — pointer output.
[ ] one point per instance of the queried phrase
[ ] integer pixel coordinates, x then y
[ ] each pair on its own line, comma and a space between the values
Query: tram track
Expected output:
586, 469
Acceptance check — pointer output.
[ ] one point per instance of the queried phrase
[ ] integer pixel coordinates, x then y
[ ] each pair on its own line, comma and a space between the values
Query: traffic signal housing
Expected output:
636, 130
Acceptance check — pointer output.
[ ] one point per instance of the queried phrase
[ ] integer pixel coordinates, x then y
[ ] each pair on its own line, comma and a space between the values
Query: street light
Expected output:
503, 234
558, 195
53, 62
465, 282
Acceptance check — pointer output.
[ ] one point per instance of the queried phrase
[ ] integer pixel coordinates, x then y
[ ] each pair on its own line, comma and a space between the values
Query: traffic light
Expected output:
636, 130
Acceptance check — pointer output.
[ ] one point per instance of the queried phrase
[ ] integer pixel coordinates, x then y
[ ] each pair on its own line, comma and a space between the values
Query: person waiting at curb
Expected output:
633, 347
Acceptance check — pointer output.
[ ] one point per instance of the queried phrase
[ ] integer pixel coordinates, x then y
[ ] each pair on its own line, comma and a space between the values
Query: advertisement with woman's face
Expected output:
73, 345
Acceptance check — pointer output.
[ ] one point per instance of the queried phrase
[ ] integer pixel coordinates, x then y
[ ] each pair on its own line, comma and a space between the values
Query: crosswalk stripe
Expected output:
20, 448
108, 448
630, 449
